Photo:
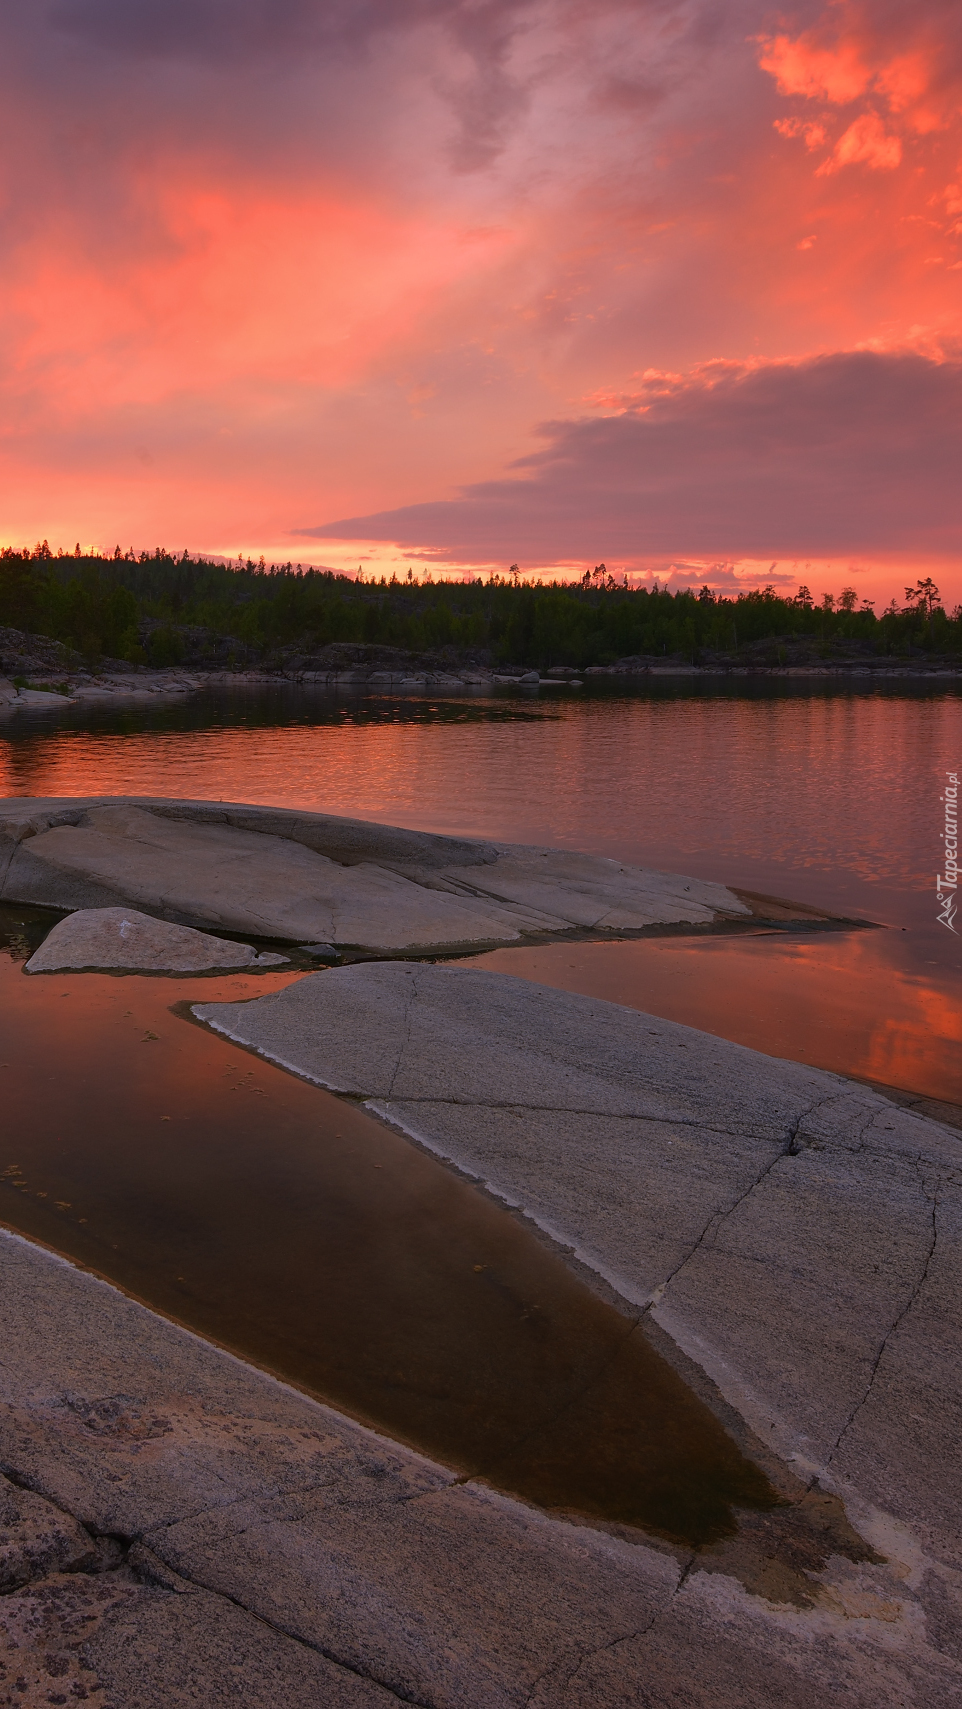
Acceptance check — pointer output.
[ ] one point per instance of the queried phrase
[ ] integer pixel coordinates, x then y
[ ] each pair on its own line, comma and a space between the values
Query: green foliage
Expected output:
140, 610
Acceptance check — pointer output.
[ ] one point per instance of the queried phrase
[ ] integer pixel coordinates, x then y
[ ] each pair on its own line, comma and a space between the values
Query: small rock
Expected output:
124, 938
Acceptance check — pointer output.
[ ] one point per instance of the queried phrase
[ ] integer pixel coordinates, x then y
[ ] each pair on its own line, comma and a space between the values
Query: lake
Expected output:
819, 790
294, 1228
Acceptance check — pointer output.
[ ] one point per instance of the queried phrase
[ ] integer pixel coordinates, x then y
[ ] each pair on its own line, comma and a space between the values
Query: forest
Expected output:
158, 609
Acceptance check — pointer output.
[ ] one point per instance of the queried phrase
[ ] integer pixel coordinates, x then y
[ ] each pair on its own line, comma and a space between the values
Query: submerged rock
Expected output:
122, 938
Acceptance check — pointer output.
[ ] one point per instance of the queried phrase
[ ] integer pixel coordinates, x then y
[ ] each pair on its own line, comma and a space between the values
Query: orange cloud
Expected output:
812, 133
867, 142
803, 67
905, 59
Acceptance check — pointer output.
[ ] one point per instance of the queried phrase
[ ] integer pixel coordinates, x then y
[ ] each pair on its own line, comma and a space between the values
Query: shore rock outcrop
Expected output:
799, 1237
311, 877
792, 1231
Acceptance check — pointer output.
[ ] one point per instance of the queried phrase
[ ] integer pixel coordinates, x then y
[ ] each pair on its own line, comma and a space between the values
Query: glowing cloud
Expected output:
273, 262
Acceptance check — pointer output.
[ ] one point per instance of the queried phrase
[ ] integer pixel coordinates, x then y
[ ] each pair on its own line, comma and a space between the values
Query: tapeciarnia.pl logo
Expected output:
947, 882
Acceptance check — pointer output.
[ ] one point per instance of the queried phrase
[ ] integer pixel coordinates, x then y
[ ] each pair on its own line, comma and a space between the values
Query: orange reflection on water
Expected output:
835, 1000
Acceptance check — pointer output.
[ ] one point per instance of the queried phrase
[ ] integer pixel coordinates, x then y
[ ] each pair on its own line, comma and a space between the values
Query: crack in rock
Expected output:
396, 1690
894, 1325
790, 1148
405, 1041
560, 1690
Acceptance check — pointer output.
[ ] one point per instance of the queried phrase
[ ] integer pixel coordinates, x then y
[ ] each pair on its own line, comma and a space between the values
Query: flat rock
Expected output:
34, 697
123, 938
283, 1551
316, 878
794, 1233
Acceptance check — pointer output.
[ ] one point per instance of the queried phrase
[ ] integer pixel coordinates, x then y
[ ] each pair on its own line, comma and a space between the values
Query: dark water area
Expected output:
825, 791
291, 1227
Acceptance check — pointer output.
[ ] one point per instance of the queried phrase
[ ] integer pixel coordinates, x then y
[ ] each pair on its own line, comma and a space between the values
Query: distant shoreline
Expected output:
41, 689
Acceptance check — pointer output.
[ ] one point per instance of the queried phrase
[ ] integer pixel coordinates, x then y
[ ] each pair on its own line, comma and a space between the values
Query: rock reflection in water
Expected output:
835, 1000
290, 1226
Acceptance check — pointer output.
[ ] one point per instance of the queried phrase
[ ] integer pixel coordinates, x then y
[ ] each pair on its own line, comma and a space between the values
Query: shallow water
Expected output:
822, 792
290, 1226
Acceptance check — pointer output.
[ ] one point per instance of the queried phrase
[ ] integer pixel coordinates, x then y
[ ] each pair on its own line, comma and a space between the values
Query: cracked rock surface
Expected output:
311, 877
795, 1234
209, 1536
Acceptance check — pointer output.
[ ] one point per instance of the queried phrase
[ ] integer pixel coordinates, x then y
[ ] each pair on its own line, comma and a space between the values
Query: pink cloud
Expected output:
849, 453
803, 67
867, 142
273, 261
905, 57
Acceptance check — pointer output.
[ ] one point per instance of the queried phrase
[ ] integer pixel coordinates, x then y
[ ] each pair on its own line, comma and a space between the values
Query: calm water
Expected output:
291, 1226
822, 794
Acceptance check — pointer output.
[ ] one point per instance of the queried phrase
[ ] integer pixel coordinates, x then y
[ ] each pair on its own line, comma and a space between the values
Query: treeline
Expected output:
157, 609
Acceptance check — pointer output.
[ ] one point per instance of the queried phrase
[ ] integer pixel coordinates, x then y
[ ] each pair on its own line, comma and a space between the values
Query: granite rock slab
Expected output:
266, 1548
316, 878
585, 890
124, 939
795, 1234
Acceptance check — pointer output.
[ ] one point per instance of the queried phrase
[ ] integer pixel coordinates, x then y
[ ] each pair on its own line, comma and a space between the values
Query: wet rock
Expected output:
123, 938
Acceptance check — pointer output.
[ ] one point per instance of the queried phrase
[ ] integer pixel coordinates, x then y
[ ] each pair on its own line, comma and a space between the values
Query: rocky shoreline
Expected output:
177, 1527
352, 887
36, 672
38, 692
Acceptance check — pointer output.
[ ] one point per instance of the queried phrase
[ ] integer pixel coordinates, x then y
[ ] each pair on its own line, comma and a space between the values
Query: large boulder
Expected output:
310, 877
137, 943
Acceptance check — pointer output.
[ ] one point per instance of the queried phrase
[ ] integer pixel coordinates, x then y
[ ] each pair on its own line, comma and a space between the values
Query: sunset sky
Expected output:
669, 283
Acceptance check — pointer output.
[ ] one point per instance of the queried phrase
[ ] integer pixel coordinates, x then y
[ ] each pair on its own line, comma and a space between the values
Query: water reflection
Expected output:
837, 1000
828, 788
290, 1226
821, 792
